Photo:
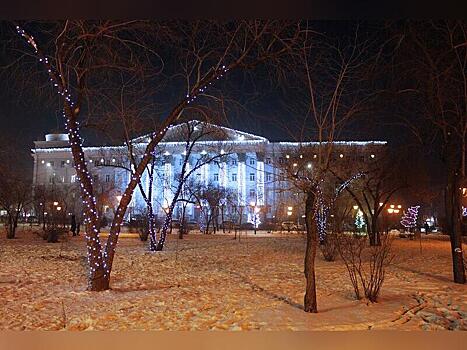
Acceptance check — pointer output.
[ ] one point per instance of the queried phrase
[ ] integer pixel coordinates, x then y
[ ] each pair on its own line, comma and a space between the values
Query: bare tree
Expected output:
194, 133
382, 177
333, 86
433, 55
83, 61
15, 189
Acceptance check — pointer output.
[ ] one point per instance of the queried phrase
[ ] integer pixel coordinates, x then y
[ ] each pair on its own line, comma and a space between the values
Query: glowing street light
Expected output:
55, 204
355, 207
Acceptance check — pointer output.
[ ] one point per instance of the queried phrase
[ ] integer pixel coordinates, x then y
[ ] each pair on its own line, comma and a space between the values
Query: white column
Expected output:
205, 174
168, 195
241, 182
260, 183
223, 176
189, 207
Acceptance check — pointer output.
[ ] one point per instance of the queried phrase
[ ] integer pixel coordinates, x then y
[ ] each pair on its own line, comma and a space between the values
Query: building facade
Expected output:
248, 168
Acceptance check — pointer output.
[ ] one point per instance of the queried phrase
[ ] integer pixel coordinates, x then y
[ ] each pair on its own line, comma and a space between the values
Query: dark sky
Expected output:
25, 117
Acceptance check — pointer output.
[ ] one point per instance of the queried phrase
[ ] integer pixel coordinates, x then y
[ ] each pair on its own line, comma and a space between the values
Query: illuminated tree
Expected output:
84, 60
409, 219
359, 220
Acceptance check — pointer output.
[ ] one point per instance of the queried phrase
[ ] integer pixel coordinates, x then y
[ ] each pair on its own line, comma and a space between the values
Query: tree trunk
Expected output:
100, 281
453, 211
373, 232
310, 303
10, 228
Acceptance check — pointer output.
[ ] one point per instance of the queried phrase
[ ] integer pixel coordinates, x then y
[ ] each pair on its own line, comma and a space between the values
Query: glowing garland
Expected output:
321, 212
94, 248
409, 219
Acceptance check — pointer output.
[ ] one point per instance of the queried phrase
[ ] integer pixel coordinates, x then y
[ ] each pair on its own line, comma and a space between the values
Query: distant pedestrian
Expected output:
427, 227
73, 225
77, 228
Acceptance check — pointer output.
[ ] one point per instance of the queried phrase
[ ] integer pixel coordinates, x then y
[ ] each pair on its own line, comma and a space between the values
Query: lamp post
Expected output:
393, 210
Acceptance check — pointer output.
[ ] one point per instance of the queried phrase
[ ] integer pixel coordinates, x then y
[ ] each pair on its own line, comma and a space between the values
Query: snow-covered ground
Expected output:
214, 282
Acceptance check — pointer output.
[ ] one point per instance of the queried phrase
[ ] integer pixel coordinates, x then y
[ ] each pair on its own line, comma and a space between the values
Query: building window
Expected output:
252, 193
62, 164
252, 176
107, 178
268, 160
216, 177
52, 179
51, 163
180, 162
252, 161
234, 177
96, 178
281, 160
73, 178
234, 162
268, 177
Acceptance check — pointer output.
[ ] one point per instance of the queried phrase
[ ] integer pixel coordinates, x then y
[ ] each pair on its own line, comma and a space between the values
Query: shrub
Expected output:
365, 264
329, 247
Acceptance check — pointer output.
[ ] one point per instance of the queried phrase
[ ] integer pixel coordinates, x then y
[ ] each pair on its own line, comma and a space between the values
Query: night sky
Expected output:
26, 117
